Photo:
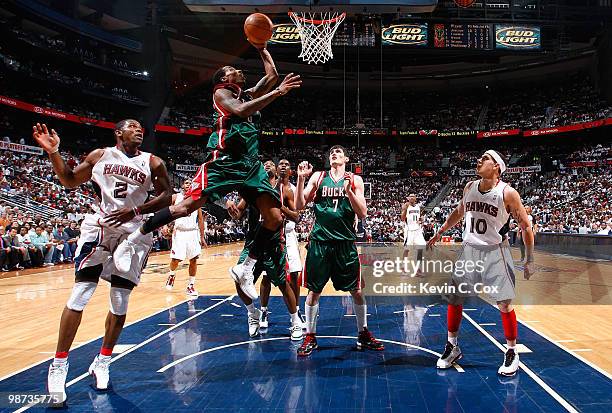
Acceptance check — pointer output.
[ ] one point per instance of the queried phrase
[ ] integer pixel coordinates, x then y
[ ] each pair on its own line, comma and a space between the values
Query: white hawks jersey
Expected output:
123, 182
188, 223
485, 214
290, 225
413, 217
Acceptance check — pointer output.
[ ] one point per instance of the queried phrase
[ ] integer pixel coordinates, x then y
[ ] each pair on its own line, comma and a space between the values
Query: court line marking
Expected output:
565, 341
488, 324
433, 315
136, 347
557, 343
582, 349
80, 344
240, 343
527, 370
236, 305
166, 324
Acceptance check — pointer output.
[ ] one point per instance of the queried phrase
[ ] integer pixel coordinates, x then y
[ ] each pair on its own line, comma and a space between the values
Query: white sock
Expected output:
511, 347
264, 308
452, 340
171, 273
311, 318
295, 319
191, 280
361, 311
251, 308
104, 359
60, 361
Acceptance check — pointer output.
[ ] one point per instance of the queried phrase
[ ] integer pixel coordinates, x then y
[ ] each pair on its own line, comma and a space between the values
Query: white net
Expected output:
316, 32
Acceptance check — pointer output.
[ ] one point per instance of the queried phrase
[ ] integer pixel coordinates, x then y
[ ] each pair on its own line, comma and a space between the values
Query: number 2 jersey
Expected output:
122, 182
335, 218
485, 214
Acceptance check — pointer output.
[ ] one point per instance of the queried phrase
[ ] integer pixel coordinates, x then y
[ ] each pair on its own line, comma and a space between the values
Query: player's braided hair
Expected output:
218, 75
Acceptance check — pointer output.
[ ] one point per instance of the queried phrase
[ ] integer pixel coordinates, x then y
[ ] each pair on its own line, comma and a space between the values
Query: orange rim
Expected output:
314, 21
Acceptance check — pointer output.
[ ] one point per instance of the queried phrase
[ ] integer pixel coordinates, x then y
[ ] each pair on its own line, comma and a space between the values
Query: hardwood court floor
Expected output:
32, 302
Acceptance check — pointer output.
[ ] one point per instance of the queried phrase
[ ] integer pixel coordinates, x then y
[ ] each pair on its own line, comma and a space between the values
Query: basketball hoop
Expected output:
316, 34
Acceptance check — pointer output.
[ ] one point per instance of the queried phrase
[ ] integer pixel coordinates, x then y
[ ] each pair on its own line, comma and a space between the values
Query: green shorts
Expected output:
222, 174
338, 260
274, 262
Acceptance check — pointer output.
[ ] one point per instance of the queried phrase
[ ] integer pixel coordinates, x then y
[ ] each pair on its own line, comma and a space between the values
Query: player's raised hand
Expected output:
304, 169
49, 141
348, 181
291, 81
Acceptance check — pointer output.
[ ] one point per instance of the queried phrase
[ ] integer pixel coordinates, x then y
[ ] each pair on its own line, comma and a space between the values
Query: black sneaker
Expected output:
308, 345
367, 341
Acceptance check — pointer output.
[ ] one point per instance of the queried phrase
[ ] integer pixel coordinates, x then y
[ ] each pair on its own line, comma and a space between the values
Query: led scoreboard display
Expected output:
463, 36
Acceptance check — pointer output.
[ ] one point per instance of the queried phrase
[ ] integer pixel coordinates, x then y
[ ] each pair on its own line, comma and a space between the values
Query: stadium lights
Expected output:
145, 73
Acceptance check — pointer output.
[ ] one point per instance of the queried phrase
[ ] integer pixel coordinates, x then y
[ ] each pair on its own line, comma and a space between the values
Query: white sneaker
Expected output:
122, 257
56, 382
245, 279
296, 332
511, 363
449, 357
254, 323
99, 371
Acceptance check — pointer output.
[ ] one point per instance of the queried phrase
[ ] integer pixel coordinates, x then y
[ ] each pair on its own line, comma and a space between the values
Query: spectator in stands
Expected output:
21, 258
7, 256
44, 245
36, 257
63, 240
73, 234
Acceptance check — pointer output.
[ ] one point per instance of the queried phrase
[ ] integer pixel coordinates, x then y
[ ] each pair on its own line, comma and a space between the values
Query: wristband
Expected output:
54, 150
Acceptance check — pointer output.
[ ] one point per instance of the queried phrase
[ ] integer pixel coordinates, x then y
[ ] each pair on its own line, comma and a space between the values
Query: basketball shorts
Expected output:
293, 252
414, 238
338, 260
274, 262
94, 253
185, 244
485, 269
222, 174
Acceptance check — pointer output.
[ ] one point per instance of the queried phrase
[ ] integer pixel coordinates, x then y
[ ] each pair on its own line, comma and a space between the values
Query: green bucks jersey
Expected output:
236, 136
334, 216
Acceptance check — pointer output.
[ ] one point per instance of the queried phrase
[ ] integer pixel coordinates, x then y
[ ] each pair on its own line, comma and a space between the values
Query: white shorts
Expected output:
97, 244
414, 237
185, 245
485, 267
293, 252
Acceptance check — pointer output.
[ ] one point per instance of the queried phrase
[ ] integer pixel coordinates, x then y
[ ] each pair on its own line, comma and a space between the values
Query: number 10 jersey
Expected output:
485, 214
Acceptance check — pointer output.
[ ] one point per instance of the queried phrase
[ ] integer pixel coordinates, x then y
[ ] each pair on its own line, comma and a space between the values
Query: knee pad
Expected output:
119, 298
81, 294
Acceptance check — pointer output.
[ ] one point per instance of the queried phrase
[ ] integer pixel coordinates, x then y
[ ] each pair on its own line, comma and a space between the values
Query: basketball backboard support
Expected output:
282, 6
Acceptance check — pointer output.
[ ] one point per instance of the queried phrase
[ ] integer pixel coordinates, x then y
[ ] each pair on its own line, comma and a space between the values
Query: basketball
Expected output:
258, 28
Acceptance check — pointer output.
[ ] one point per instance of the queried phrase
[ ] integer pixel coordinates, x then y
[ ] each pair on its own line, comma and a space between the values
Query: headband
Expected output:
498, 160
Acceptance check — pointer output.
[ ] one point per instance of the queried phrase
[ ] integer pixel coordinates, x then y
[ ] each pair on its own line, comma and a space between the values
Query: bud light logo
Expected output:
285, 33
405, 34
517, 37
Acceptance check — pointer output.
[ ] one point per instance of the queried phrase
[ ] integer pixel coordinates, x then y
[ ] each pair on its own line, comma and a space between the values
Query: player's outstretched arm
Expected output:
70, 178
161, 183
404, 211
202, 228
515, 206
269, 80
354, 192
452, 220
304, 195
236, 107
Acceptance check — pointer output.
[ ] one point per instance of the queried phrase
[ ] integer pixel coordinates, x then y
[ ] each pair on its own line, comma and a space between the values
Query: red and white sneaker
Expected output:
367, 341
191, 291
170, 282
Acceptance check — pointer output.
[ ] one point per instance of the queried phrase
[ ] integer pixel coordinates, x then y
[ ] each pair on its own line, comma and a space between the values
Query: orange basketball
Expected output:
258, 28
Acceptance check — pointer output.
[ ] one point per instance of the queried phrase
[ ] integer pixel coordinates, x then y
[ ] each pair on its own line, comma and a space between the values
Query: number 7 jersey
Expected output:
485, 214
335, 218
123, 182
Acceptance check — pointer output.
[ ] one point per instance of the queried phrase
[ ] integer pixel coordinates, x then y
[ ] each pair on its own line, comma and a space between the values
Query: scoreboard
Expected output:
463, 36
